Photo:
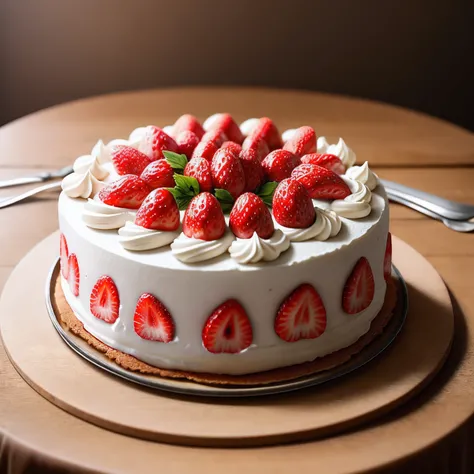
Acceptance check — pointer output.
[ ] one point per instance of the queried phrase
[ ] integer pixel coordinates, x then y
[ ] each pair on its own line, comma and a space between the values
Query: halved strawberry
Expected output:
387, 261
154, 141
249, 215
320, 182
226, 124
129, 192
228, 329
266, 129
200, 169
254, 174
279, 164
158, 174
257, 146
301, 316
302, 142
74, 275
188, 123
104, 300
158, 211
330, 162
227, 172
64, 254
128, 160
152, 320
187, 141
359, 288
234, 147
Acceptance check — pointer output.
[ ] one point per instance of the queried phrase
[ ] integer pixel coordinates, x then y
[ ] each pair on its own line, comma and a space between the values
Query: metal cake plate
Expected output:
375, 348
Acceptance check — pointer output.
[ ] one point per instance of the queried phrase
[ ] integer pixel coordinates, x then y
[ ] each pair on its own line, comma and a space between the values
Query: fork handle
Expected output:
32, 192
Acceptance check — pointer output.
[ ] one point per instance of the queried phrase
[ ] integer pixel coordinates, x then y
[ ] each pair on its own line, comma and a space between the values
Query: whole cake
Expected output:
224, 249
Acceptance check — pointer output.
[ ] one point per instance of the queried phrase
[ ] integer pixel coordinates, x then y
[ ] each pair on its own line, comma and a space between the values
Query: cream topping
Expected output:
137, 238
169, 130
248, 125
99, 215
255, 249
137, 135
288, 134
101, 152
81, 185
340, 149
357, 204
90, 163
363, 174
322, 145
209, 122
191, 250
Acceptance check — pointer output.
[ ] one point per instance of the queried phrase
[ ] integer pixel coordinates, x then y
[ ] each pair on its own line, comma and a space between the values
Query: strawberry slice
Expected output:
328, 161
129, 192
234, 147
74, 275
188, 123
254, 174
158, 174
387, 261
128, 160
279, 164
266, 129
152, 320
104, 300
320, 182
187, 141
249, 215
301, 316
158, 211
359, 288
64, 254
154, 141
200, 169
226, 124
302, 142
228, 329
227, 172
257, 146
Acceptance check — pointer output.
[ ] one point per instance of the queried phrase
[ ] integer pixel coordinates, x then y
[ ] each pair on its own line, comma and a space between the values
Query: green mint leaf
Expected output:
187, 184
225, 199
226, 207
266, 191
175, 160
183, 202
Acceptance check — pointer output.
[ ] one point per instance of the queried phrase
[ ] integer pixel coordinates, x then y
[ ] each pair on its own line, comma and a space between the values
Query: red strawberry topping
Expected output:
129, 192
301, 316
226, 124
256, 145
302, 142
128, 160
228, 329
187, 141
267, 130
249, 215
158, 174
387, 261
74, 275
330, 162
155, 141
359, 288
254, 174
292, 206
188, 123
200, 169
279, 164
152, 320
203, 218
105, 301
227, 172
234, 147
64, 254
320, 182
158, 211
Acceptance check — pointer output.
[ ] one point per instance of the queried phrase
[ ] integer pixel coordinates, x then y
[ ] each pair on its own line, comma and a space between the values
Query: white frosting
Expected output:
191, 250
101, 152
288, 134
357, 204
363, 174
209, 122
81, 185
327, 224
137, 135
322, 145
340, 149
137, 238
255, 249
99, 215
169, 130
90, 163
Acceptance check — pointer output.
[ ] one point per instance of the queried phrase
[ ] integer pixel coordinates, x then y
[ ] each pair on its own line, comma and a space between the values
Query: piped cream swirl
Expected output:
90, 163
255, 249
340, 149
363, 174
81, 185
99, 215
357, 204
322, 145
137, 238
191, 250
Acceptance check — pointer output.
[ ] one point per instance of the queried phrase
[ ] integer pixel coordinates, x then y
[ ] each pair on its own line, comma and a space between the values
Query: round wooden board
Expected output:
65, 379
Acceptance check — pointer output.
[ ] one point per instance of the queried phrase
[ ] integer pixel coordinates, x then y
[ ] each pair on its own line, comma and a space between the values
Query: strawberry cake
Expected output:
221, 248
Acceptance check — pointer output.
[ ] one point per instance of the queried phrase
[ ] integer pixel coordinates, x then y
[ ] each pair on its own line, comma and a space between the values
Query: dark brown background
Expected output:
417, 54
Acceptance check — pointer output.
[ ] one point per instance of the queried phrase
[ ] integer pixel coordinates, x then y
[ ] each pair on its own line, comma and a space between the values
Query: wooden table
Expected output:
400, 145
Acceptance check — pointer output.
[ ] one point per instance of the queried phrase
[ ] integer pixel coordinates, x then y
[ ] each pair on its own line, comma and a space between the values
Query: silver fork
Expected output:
39, 178
32, 192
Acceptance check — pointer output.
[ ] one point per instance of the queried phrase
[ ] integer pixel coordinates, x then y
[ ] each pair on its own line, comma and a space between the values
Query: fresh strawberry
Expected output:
128, 160
302, 142
228, 329
216, 136
158, 174
250, 214
266, 129
257, 145
226, 124
234, 147
200, 169
301, 316
158, 211
253, 170
155, 141
203, 219
129, 192
387, 261
320, 182
209, 144
64, 254
227, 172
152, 320
74, 275
292, 206
330, 162
105, 301
359, 288
187, 141
188, 123
279, 164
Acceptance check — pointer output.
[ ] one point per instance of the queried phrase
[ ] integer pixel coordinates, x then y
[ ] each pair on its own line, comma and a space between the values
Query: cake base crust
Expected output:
69, 321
